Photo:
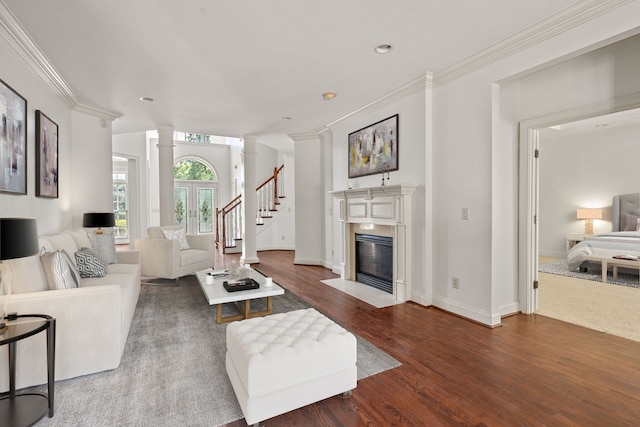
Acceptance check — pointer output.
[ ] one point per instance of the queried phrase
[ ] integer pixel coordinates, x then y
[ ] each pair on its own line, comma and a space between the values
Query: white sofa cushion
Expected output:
62, 241
80, 237
23, 275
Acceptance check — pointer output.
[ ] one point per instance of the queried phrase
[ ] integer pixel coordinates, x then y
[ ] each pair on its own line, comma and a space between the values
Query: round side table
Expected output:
25, 409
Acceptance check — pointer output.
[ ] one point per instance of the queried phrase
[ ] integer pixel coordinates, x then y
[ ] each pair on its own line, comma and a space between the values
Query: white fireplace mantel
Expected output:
389, 206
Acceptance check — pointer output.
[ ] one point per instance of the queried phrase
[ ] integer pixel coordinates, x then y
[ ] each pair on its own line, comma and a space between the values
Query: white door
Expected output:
195, 205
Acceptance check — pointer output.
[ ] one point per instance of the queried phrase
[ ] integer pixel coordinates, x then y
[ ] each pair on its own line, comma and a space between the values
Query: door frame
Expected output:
528, 198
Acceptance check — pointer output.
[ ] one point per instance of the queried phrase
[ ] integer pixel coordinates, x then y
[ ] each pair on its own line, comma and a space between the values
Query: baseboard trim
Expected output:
304, 261
488, 319
424, 300
509, 309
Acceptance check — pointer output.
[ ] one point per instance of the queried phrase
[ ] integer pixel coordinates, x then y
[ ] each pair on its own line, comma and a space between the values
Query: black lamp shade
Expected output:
18, 237
98, 219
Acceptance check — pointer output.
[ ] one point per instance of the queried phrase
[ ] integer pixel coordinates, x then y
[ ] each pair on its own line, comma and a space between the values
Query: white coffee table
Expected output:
217, 295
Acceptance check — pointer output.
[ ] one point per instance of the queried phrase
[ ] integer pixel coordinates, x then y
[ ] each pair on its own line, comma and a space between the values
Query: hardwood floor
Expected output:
532, 371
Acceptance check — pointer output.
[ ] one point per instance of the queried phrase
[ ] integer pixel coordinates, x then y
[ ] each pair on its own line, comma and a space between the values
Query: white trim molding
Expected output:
14, 33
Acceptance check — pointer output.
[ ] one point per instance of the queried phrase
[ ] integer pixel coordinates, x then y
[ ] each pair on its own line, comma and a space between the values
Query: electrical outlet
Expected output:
455, 283
283, 237
465, 214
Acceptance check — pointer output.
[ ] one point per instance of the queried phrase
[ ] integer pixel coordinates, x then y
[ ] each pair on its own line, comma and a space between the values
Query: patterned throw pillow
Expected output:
104, 245
90, 264
179, 236
60, 271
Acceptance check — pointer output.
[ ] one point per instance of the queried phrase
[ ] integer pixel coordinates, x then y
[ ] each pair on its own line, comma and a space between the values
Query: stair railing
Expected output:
229, 219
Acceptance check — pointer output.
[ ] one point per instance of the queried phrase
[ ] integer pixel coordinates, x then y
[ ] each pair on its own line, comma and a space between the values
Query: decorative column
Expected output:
165, 173
249, 201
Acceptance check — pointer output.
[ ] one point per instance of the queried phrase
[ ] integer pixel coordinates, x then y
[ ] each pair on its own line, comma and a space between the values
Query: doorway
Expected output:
195, 196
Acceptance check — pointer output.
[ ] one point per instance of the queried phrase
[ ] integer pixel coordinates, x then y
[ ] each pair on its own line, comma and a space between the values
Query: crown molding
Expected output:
307, 136
418, 85
92, 110
13, 32
570, 17
24, 45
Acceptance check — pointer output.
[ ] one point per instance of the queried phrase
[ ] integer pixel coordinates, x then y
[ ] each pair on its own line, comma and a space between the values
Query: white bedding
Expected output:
608, 244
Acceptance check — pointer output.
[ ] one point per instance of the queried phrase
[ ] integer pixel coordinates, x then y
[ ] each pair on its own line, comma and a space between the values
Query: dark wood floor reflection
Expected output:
532, 371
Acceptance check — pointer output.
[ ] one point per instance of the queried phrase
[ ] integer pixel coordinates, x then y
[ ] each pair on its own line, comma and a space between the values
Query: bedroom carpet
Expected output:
560, 267
172, 371
603, 307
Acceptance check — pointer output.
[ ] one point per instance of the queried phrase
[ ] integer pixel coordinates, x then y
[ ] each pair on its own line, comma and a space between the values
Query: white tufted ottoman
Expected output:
284, 361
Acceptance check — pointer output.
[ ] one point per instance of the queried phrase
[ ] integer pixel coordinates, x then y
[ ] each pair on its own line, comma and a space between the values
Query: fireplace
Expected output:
385, 213
374, 261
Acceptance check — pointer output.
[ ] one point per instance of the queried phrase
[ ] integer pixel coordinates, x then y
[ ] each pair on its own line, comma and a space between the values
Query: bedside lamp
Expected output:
589, 215
18, 239
98, 220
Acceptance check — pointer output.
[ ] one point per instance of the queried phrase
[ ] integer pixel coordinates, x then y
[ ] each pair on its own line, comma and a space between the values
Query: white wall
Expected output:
584, 172
76, 170
413, 144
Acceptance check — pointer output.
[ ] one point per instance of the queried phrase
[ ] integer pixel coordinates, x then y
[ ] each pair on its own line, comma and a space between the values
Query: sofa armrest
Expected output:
88, 333
128, 257
159, 257
205, 242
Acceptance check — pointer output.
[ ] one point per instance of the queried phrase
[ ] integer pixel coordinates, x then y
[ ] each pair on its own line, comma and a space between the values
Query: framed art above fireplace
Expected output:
374, 149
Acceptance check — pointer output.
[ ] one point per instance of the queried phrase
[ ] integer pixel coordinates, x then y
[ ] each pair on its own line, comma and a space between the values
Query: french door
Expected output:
195, 205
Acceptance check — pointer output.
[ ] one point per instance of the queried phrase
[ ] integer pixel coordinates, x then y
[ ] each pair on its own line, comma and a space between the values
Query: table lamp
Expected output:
589, 215
18, 239
98, 220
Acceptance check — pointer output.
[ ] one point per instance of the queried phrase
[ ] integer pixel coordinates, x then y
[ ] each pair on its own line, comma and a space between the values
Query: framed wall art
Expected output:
13, 141
46, 156
374, 149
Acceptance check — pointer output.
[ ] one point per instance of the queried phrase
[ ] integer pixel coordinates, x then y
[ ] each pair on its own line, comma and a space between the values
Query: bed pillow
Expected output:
90, 264
61, 272
179, 236
630, 222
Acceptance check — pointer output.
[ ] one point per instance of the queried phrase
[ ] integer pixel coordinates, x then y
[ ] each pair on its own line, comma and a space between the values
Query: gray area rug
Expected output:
559, 267
172, 371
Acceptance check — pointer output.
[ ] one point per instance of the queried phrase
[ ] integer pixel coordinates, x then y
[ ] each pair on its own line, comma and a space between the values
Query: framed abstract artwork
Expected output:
374, 149
46, 156
13, 141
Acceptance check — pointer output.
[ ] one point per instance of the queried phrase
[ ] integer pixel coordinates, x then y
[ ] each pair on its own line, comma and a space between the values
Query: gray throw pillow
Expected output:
60, 271
90, 264
104, 245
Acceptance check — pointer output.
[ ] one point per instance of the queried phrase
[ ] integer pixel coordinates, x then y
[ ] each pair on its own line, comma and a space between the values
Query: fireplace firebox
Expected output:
374, 261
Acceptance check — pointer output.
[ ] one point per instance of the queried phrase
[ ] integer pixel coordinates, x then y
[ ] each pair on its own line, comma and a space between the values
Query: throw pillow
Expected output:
179, 236
60, 271
630, 222
90, 264
104, 245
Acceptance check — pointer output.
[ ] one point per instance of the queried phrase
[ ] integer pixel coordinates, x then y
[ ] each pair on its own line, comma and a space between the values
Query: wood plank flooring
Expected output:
532, 371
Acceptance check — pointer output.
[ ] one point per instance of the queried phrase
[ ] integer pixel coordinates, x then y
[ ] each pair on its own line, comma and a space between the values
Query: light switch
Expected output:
465, 214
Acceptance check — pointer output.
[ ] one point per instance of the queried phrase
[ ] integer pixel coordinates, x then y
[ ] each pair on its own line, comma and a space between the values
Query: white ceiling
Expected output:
238, 67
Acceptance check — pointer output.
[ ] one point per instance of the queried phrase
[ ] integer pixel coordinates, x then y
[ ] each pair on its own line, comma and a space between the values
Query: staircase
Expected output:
229, 219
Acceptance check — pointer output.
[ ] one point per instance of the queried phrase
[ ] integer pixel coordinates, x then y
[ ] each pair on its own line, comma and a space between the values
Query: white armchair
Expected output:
163, 258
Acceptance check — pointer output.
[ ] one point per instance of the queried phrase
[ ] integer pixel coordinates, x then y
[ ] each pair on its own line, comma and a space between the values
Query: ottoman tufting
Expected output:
284, 361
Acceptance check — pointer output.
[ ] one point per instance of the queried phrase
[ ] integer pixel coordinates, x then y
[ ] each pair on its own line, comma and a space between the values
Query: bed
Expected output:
623, 240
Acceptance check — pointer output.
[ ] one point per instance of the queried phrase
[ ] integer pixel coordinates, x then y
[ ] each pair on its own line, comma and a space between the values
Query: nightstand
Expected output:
574, 238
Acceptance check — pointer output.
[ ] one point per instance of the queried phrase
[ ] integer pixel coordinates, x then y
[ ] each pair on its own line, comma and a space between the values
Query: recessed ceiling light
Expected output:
145, 99
285, 118
602, 125
329, 95
383, 48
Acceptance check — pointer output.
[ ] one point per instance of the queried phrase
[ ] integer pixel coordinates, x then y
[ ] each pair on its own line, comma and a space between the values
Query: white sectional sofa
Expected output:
92, 321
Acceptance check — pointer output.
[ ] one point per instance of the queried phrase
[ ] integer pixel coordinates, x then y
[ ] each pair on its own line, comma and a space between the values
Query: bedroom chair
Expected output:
169, 253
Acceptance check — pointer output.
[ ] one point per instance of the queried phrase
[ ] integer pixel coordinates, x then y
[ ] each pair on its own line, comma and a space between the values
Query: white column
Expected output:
249, 201
165, 173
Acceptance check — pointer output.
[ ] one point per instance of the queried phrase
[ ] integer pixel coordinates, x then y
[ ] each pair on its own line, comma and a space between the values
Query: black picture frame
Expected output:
46, 156
13, 141
374, 148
